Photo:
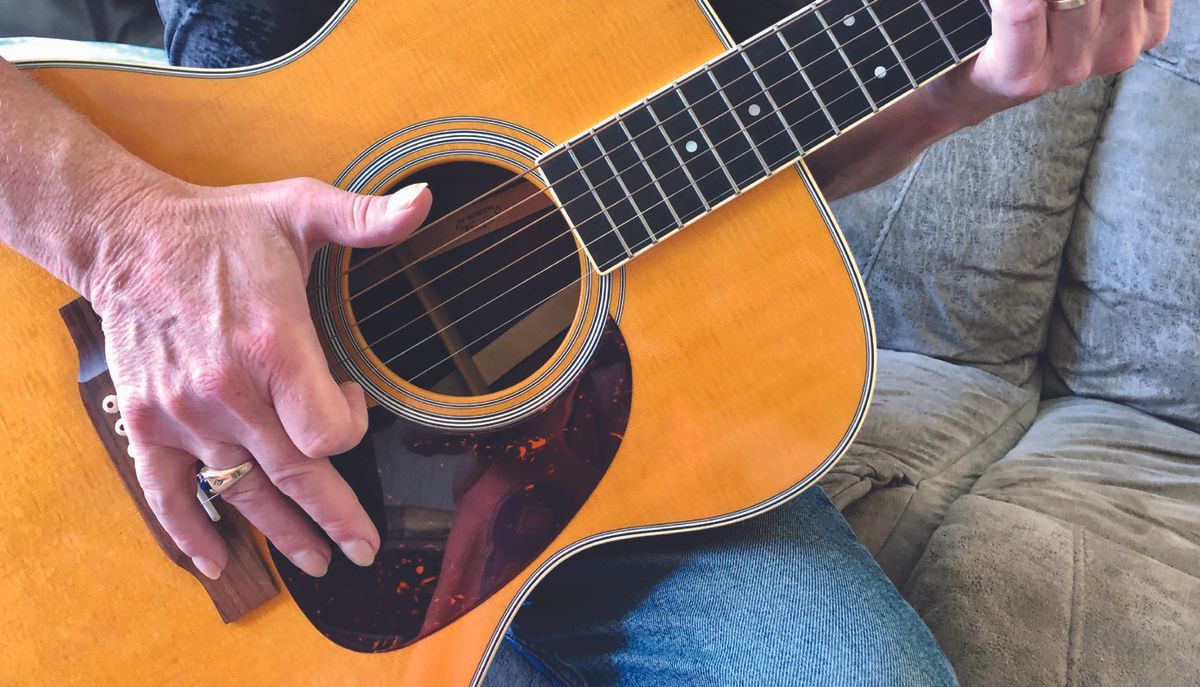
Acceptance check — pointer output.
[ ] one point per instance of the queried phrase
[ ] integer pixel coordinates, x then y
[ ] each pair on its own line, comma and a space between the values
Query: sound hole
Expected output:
481, 296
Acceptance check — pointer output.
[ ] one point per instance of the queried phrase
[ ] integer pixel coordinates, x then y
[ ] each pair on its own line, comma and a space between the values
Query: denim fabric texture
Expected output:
787, 598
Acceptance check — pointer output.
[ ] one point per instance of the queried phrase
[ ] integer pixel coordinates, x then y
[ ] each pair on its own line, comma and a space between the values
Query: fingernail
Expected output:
359, 552
404, 198
311, 562
207, 567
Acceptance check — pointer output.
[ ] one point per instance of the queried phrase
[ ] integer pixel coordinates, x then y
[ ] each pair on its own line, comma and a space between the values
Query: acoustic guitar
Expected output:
630, 313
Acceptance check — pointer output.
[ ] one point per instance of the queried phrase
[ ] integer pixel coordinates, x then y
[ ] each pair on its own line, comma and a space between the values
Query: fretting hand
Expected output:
1035, 49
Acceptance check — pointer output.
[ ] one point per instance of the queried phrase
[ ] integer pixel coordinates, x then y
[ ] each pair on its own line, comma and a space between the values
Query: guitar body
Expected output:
746, 338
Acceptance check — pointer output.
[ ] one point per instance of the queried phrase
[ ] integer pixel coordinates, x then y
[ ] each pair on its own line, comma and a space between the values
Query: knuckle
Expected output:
295, 481
251, 489
217, 382
136, 409
177, 405
1029, 87
360, 206
1077, 72
1119, 56
1157, 34
258, 345
328, 441
301, 187
1021, 12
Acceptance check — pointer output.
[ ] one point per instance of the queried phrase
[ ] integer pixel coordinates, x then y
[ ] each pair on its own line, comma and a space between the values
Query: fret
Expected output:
579, 205
752, 107
796, 104
887, 37
682, 196
648, 194
708, 142
812, 91
965, 26
670, 109
614, 199
849, 65
917, 40
635, 243
775, 108
614, 206
938, 27
807, 119
817, 53
730, 143
679, 158
766, 169
866, 49
668, 160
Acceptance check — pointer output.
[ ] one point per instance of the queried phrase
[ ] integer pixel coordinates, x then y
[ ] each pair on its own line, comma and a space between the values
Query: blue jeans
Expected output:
787, 598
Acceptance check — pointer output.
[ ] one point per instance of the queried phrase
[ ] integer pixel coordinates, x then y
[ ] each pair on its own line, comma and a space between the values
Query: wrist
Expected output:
123, 208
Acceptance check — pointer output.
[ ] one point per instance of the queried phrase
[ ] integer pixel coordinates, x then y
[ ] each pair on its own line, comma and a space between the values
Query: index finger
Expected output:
321, 418
315, 486
1018, 48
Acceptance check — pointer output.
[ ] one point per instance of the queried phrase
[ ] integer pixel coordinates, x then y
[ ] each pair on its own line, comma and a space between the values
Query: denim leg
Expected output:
787, 598
237, 33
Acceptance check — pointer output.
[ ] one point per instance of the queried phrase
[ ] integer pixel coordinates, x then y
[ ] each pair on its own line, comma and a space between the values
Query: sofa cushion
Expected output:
932, 428
1120, 473
1015, 597
961, 251
1127, 324
1076, 558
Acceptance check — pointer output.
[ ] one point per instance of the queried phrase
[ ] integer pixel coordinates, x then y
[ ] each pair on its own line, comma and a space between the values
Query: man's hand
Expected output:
208, 334
1034, 50
215, 357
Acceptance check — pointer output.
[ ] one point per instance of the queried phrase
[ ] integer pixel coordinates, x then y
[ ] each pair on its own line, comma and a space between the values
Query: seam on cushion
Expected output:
1075, 624
890, 219
859, 479
1170, 66
917, 485
1067, 523
1110, 98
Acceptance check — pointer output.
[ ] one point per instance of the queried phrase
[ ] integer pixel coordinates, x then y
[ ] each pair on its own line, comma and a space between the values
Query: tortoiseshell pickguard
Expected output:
460, 515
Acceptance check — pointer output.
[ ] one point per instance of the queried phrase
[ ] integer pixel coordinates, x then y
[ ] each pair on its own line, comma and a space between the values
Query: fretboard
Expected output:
647, 172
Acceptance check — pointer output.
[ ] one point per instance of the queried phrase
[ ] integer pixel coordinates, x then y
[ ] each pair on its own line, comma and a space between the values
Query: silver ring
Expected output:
213, 482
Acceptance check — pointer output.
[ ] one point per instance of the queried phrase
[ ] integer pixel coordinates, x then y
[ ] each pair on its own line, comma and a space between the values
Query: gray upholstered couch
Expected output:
1030, 473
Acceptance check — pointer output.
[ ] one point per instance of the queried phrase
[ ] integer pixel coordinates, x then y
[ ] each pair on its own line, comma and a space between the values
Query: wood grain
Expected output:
751, 357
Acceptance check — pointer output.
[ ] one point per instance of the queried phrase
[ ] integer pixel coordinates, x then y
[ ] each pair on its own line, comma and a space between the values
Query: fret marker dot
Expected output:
755, 110
880, 72
849, 21
691, 146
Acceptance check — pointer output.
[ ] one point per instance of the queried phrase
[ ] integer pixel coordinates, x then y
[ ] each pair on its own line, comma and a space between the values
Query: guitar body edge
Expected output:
749, 333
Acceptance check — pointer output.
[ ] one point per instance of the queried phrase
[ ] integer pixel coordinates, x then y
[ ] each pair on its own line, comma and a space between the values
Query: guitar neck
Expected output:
643, 174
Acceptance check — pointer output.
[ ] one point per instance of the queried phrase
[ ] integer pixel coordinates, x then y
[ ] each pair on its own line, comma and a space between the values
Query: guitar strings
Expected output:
787, 52
569, 255
561, 289
553, 211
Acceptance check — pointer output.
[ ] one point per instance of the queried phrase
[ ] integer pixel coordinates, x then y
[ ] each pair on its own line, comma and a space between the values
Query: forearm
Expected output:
885, 144
63, 184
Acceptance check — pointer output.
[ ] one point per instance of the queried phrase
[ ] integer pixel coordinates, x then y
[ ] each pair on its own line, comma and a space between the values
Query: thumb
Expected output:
358, 221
